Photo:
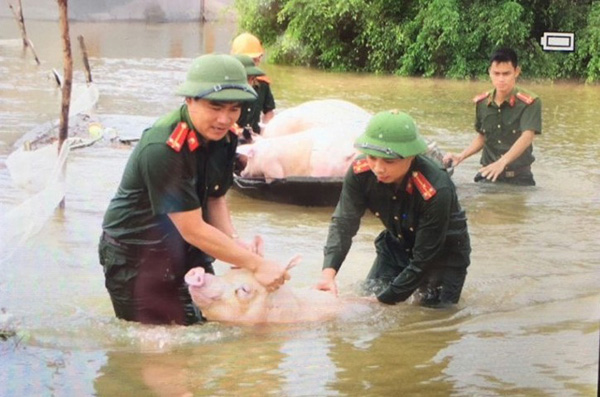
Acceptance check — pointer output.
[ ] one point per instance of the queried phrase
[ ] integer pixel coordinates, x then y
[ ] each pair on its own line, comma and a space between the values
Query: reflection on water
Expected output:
527, 323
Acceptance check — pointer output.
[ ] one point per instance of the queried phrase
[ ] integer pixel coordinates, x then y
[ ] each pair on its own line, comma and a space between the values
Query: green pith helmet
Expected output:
391, 135
217, 78
251, 68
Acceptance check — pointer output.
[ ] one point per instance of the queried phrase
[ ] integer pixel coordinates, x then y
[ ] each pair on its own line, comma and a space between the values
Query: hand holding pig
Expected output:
271, 275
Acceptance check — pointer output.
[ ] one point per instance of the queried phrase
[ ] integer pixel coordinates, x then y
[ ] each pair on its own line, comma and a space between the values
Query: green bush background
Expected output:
443, 38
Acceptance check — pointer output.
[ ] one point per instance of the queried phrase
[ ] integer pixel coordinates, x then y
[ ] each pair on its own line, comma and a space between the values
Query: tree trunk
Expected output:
63, 131
86, 63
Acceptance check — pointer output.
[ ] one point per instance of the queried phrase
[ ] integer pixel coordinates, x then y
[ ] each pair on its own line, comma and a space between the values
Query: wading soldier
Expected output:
507, 119
425, 244
261, 110
169, 213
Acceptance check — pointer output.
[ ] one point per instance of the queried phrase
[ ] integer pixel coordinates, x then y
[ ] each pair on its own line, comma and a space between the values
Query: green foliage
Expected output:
450, 38
260, 17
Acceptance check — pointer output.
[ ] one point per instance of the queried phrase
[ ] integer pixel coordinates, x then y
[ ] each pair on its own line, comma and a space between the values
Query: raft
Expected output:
303, 191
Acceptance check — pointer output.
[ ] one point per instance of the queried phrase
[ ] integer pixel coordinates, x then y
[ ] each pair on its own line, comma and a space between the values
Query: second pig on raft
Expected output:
313, 139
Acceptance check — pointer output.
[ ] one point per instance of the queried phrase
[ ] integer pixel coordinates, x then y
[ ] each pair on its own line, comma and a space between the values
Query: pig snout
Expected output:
195, 277
204, 288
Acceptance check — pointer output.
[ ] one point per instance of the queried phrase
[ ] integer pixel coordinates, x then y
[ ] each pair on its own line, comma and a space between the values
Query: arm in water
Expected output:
214, 242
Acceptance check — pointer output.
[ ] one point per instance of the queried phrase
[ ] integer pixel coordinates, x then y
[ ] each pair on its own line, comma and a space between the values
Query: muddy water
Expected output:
527, 323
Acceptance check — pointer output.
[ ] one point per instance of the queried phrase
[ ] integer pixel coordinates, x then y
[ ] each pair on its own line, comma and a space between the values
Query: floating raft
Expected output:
304, 191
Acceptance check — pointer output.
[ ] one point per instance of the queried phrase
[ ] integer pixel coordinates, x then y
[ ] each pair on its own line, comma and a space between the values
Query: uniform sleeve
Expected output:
170, 180
431, 233
478, 119
344, 222
531, 118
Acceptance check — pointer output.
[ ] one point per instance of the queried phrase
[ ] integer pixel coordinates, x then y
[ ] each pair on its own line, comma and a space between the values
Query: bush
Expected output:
446, 38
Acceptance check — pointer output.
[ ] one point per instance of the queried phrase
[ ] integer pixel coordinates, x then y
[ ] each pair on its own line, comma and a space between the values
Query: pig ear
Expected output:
293, 262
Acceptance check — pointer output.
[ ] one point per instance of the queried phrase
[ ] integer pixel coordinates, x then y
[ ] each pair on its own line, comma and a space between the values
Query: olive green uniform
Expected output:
252, 111
502, 126
143, 255
425, 242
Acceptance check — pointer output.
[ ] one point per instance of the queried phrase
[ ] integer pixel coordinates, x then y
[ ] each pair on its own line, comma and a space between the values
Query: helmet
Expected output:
217, 78
248, 44
391, 134
251, 68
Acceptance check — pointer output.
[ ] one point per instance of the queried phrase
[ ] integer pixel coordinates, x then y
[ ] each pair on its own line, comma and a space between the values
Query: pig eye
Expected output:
244, 291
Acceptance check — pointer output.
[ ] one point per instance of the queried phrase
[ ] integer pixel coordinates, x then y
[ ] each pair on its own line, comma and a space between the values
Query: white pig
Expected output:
318, 113
316, 152
236, 297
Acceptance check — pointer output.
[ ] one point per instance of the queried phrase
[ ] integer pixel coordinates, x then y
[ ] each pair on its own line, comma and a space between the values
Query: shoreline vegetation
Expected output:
426, 38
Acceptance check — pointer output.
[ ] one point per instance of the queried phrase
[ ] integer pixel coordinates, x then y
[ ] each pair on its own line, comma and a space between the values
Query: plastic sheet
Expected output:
40, 172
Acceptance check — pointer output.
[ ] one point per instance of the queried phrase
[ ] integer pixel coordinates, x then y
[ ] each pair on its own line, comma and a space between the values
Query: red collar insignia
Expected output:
525, 98
423, 185
181, 134
360, 166
481, 97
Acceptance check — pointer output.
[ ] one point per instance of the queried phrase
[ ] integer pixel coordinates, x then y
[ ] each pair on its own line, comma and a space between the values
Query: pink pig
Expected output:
317, 113
316, 152
236, 297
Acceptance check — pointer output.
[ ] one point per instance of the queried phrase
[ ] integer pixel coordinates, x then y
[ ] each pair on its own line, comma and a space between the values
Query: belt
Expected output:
516, 172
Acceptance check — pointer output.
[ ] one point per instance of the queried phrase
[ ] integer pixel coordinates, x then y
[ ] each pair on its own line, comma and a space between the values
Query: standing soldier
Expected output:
169, 213
261, 110
507, 119
425, 244
244, 127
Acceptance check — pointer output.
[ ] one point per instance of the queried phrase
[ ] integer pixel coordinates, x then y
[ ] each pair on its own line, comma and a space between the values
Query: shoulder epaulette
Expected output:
423, 185
264, 79
361, 165
528, 99
481, 97
180, 135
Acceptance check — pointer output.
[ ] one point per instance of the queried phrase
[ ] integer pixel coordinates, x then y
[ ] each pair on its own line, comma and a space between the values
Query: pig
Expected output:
316, 152
318, 113
236, 297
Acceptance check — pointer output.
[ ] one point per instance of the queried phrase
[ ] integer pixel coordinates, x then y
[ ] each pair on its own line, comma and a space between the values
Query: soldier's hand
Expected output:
492, 171
327, 282
451, 160
271, 275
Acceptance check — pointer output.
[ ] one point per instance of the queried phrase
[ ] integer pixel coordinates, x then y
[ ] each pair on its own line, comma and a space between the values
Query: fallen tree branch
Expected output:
18, 14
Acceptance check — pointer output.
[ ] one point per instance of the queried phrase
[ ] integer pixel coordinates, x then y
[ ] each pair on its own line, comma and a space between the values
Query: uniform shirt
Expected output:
502, 125
251, 111
430, 229
158, 180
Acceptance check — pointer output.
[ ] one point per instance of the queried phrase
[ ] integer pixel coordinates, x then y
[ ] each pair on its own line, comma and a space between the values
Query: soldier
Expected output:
169, 213
425, 244
261, 110
243, 124
507, 119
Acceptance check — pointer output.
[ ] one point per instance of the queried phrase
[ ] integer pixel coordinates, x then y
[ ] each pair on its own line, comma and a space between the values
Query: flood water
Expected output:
527, 323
